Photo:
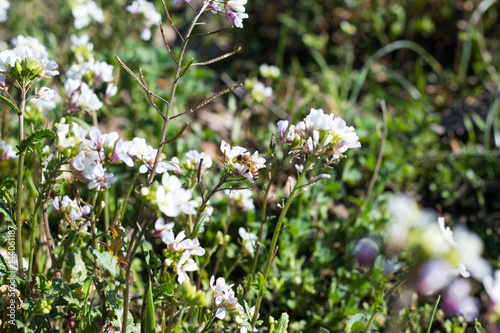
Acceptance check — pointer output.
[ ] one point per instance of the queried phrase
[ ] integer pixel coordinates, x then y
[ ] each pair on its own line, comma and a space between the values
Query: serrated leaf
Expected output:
65, 291
107, 261
10, 104
35, 137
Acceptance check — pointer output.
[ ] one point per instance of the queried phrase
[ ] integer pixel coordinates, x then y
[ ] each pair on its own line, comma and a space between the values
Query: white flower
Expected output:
223, 297
26, 41
45, 94
86, 98
267, 71
73, 139
39, 60
96, 174
98, 141
149, 14
242, 197
71, 207
174, 165
82, 40
239, 160
72, 85
172, 199
7, 151
181, 243
248, 240
111, 91
84, 11
166, 230
103, 72
195, 157
468, 252
236, 12
446, 233
406, 215
121, 153
282, 126
260, 92
492, 287
4, 7
184, 265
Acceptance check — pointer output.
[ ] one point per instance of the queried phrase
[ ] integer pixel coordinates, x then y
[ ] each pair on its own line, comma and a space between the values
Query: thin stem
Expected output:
370, 322
204, 205
208, 324
19, 188
273, 177
5, 122
93, 220
277, 230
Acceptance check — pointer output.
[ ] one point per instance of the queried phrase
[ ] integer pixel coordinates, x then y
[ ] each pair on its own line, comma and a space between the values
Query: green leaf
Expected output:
5, 212
150, 311
10, 104
283, 323
356, 323
36, 137
107, 260
262, 281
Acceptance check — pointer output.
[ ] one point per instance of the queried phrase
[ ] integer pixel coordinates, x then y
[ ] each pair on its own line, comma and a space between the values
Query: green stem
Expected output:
273, 176
277, 230
34, 229
204, 205
208, 324
93, 220
370, 322
19, 188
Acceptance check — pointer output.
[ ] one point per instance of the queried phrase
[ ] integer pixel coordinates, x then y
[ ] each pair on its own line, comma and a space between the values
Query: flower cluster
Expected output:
259, 92
319, 134
69, 208
179, 249
84, 11
82, 48
149, 16
23, 65
172, 198
224, 299
240, 162
269, 71
90, 157
444, 258
4, 7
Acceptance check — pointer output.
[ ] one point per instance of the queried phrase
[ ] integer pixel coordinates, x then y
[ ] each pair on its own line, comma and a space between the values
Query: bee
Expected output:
250, 165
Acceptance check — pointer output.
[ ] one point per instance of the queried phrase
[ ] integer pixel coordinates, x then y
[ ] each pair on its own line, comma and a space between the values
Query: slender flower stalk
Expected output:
19, 189
277, 230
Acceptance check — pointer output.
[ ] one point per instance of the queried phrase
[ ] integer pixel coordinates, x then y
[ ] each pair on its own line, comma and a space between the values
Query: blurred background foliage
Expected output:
434, 63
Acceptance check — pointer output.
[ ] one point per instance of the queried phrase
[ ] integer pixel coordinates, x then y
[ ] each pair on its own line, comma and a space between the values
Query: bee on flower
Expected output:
241, 163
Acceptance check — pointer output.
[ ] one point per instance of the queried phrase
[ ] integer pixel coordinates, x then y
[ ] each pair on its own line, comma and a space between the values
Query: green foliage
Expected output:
418, 81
